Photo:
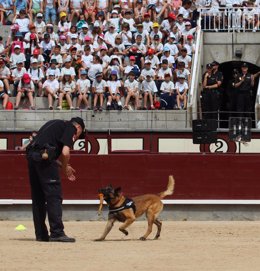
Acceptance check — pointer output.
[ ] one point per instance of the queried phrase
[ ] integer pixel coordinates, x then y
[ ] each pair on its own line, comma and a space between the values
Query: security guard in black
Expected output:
54, 140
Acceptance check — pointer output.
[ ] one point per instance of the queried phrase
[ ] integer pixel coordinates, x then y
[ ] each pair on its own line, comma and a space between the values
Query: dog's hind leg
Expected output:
150, 218
109, 226
159, 228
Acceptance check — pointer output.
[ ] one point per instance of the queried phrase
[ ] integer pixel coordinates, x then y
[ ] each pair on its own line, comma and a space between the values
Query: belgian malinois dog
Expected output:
127, 210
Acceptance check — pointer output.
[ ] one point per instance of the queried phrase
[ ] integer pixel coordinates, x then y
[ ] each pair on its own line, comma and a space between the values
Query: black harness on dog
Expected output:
128, 203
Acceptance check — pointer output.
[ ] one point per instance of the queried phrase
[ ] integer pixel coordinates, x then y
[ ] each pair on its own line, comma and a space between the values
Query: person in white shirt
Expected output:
67, 89
17, 56
98, 89
174, 51
147, 23
94, 68
131, 87
185, 58
149, 90
3, 95
83, 90
51, 87
36, 75
128, 19
87, 58
113, 91
47, 45
110, 36
56, 55
17, 74
53, 68
39, 25
182, 92
22, 21
168, 95
147, 70
167, 55
67, 68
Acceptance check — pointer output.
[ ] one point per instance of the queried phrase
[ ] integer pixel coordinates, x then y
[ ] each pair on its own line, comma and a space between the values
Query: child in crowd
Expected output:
182, 91
51, 87
67, 89
131, 88
83, 90
149, 91
168, 95
98, 89
113, 94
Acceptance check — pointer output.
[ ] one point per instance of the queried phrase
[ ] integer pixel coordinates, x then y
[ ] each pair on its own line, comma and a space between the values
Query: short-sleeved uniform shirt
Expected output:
57, 133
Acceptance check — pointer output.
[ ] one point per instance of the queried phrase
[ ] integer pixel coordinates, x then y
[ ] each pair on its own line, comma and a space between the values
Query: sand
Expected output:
183, 245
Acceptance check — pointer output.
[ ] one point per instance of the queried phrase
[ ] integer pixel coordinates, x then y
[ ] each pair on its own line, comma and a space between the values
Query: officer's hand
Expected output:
70, 173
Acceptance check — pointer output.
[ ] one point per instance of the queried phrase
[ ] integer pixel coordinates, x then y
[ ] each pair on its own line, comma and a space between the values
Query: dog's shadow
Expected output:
123, 240
23, 239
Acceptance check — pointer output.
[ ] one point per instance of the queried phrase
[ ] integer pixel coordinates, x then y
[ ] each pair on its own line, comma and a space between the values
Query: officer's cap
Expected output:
244, 65
80, 121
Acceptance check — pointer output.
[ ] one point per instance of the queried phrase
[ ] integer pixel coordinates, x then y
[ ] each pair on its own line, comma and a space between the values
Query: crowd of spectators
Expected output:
121, 54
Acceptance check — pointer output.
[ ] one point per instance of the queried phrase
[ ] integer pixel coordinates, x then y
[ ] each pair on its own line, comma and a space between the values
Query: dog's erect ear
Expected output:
118, 191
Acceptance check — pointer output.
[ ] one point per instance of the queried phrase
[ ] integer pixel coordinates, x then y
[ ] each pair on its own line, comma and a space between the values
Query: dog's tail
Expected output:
170, 188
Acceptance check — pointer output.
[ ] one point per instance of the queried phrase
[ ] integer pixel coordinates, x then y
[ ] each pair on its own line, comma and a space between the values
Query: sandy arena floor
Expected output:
192, 246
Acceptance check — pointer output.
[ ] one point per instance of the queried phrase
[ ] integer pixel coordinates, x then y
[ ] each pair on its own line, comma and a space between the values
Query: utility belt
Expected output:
41, 153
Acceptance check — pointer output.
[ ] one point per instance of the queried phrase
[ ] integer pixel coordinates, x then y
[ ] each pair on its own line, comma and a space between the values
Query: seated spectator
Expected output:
39, 25
126, 34
66, 90
101, 22
189, 45
153, 58
68, 69
83, 90
132, 67
185, 58
164, 69
167, 55
167, 24
36, 55
20, 5
113, 94
5, 75
3, 95
157, 46
181, 70
98, 90
35, 6
94, 68
140, 13
51, 88
131, 88
36, 76
64, 22
16, 56
17, 75
147, 23
89, 9
128, 18
63, 6
54, 69
174, 51
84, 33
145, 38
50, 30
149, 91
102, 6
185, 10
6, 12
47, 46
182, 92
50, 11
156, 31
147, 70
25, 88
22, 21
110, 36
168, 95
56, 55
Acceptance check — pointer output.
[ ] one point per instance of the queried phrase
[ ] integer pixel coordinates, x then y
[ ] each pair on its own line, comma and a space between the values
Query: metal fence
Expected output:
230, 19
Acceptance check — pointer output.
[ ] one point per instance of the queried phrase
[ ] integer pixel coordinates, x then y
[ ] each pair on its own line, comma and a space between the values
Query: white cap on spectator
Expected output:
74, 36
187, 23
147, 61
172, 36
39, 15
96, 24
114, 11
51, 72
85, 25
17, 46
116, 6
34, 60
68, 59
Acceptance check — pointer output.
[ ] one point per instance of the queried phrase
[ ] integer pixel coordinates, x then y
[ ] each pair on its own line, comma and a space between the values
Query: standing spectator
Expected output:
50, 88
50, 11
25, 88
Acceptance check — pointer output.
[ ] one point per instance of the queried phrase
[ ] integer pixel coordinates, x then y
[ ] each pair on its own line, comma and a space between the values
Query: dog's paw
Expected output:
142, 238
124, 231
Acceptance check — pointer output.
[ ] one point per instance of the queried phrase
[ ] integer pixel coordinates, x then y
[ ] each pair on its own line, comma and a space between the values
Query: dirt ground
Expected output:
192, 246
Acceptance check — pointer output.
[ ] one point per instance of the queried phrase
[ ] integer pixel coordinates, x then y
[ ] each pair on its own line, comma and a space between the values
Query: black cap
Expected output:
244, 65
215, 63
81, 123
156, 37
209, 66
54, 60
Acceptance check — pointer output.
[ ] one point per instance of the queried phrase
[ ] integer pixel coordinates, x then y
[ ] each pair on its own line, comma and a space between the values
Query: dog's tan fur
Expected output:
149, 204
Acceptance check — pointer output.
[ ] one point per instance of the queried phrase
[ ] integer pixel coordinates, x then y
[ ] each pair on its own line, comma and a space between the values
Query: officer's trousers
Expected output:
46, 197
210, 104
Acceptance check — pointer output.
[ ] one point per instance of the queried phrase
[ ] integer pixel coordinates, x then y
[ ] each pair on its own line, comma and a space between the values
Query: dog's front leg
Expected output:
109, 226
129, 220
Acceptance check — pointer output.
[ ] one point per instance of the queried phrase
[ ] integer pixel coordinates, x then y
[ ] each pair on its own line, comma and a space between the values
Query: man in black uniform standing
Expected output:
54, 140
210, 105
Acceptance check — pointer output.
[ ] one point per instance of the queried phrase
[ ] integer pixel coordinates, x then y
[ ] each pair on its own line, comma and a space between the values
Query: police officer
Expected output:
54, 140
244, 90
210, 95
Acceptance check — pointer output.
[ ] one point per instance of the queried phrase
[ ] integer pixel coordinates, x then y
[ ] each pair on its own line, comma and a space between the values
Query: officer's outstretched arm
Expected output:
68, 170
